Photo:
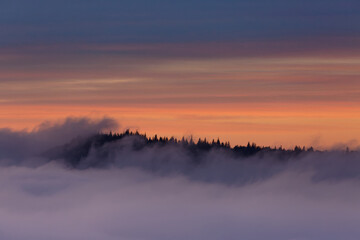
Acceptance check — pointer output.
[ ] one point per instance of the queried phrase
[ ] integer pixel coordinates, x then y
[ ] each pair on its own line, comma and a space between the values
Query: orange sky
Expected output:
273, 72
271, 101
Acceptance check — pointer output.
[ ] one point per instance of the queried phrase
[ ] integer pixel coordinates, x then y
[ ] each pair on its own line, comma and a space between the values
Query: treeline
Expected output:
79, 149
204, 144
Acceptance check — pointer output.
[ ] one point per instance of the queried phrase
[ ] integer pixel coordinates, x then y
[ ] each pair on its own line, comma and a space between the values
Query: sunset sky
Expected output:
281, 72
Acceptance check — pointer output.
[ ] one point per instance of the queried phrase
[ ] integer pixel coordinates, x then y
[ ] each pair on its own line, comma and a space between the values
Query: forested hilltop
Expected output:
78, 149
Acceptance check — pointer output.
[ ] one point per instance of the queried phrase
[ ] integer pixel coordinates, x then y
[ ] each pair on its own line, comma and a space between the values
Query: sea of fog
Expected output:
157, 194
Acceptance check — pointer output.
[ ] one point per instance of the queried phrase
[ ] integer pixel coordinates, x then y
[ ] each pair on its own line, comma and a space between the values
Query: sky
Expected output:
271, 72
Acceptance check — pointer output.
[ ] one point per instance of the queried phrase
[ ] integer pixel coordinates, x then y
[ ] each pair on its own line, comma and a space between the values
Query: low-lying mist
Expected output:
67, 181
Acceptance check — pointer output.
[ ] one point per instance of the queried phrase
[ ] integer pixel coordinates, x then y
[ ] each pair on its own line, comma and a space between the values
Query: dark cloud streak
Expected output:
163, 21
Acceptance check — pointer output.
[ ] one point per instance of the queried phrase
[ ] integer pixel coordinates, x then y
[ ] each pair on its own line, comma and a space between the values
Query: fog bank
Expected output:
164, 191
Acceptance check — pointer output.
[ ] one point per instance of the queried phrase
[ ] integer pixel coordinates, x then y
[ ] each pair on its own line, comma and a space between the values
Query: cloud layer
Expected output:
20, 145
159, 192
163, 21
